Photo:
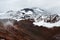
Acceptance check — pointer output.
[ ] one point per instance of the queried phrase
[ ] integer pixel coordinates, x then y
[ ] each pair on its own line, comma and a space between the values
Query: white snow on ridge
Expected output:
48, 25
6, 16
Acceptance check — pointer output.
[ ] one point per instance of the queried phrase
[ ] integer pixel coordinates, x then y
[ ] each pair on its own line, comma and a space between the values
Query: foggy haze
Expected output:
6, 5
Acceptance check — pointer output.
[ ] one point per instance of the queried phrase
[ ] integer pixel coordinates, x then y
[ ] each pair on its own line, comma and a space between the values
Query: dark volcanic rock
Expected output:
53, 18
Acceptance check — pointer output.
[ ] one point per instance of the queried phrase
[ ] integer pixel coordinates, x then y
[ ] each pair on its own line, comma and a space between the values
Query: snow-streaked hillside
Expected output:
48, 18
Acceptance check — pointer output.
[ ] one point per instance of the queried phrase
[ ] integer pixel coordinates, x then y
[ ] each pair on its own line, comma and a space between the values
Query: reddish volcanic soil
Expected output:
25, 30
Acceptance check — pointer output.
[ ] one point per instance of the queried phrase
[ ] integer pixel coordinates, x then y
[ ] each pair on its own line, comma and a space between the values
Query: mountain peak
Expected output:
37, 14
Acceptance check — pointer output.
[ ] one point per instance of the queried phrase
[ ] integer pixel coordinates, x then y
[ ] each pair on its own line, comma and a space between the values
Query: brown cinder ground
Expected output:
25, 30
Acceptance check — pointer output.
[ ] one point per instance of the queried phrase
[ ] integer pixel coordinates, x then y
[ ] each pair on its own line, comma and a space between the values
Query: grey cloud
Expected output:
17, 4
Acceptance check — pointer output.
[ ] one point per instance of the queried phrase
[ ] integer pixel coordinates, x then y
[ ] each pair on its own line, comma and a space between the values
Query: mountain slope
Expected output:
25, 30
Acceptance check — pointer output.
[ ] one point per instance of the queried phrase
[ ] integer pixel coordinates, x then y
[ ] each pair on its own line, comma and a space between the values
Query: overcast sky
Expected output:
18, 4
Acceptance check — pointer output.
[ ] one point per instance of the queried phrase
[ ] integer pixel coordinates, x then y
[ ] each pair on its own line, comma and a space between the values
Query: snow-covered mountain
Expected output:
26, 13
40, 16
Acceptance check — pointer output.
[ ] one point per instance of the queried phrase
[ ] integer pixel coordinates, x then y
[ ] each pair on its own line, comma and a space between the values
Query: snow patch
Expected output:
48, 25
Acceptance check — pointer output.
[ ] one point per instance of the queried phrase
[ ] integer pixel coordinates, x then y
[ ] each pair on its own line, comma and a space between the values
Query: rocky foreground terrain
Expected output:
25, 30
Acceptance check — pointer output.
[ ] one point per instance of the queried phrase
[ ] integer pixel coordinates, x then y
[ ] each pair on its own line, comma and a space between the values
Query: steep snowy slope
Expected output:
52, 19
